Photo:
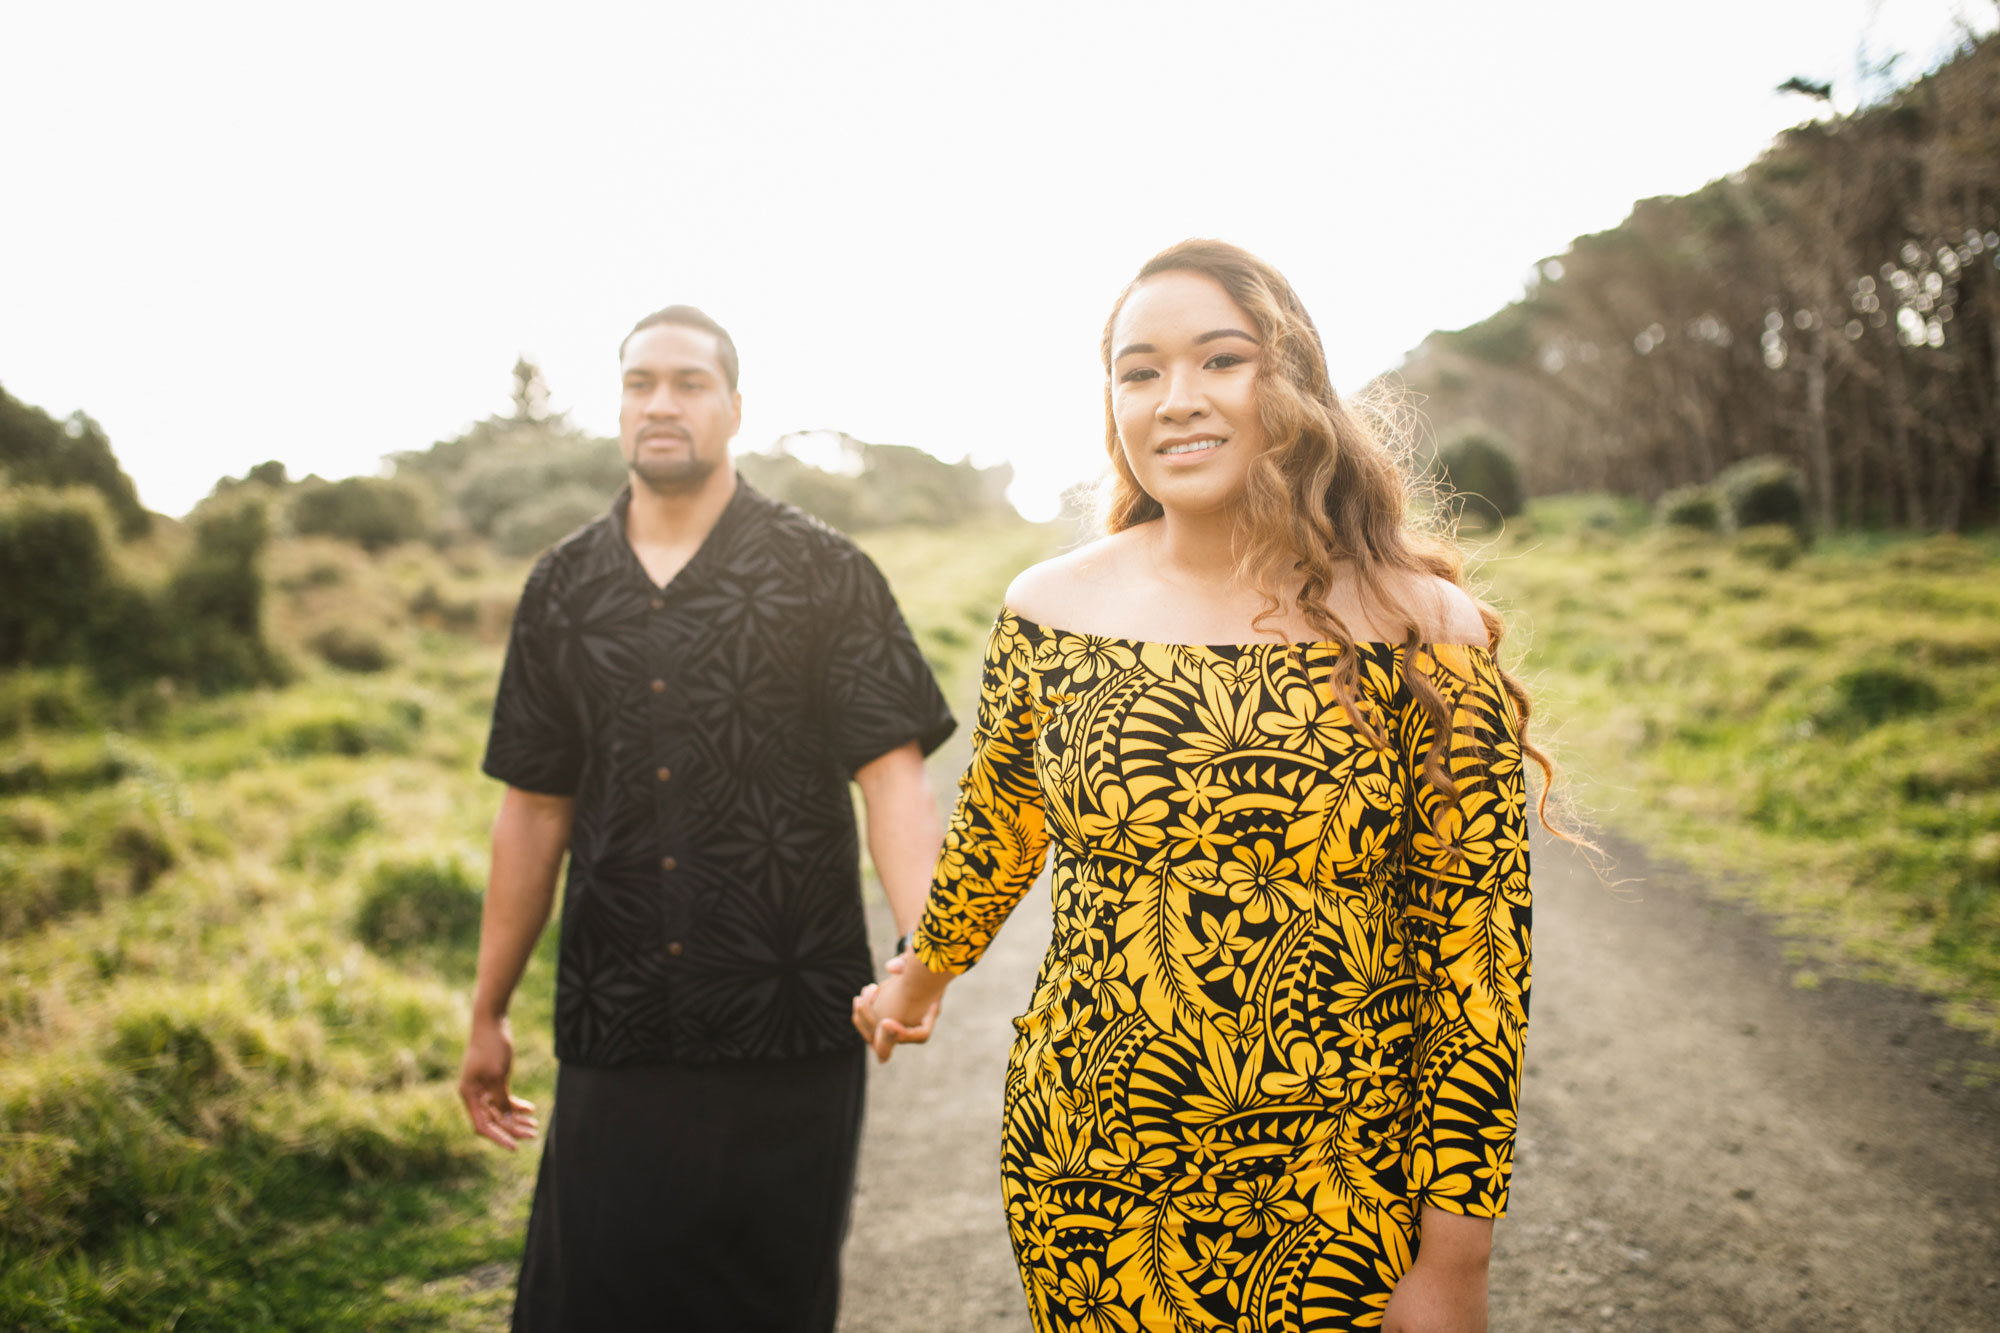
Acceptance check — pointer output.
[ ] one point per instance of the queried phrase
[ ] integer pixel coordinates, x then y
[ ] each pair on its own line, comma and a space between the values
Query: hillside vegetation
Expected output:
237, 937
1811, 727
1835, 303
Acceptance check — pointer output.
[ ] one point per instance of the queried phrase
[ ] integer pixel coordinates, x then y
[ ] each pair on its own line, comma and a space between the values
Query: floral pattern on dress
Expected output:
1284, 999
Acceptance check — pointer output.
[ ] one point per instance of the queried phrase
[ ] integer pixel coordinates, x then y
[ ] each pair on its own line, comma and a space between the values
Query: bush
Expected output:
1769, 544
348, 730
55, 700
371, 512
527, 462
1765, 490
142, 845
536, 524
352, 649
1697, 507
1869, 696
38, 888
1479, 469
411, 904
55, 563
325, 844
213, 607
38, 450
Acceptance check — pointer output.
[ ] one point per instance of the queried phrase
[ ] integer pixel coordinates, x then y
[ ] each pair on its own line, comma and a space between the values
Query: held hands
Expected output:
482, 1083
902, 1010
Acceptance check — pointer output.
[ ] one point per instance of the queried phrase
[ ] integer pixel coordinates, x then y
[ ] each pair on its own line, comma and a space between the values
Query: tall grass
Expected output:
235, 941
1814, 728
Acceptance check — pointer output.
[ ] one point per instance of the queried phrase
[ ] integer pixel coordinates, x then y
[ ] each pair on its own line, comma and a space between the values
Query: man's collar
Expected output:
743, 503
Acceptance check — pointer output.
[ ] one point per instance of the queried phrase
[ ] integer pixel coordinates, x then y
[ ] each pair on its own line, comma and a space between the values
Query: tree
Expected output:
38, 450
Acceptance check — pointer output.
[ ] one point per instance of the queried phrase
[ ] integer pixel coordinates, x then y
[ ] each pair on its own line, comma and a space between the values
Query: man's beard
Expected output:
672, 476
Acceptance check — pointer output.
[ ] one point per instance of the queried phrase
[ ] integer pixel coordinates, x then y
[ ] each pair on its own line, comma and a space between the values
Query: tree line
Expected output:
95, 581
1835, 305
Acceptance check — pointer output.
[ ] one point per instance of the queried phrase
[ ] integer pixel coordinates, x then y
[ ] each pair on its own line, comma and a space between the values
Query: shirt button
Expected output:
668, 863
663, 772
674, 948
659, 687
659, 603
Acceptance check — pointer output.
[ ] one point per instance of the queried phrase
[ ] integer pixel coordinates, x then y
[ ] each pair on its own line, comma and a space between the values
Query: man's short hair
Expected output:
689, 317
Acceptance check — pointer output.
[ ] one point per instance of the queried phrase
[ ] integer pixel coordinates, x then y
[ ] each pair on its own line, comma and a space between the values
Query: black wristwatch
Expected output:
902, 945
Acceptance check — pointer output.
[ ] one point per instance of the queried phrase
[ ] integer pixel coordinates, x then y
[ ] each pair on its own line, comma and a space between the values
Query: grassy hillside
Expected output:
235, 933
237, 936
1814, 730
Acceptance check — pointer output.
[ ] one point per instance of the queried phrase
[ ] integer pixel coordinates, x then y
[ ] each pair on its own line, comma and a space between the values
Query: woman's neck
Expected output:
1197, 551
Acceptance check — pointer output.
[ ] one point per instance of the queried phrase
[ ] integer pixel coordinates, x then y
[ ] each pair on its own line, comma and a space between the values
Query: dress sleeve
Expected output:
998, 837
1467, 909
535, 743
877, 691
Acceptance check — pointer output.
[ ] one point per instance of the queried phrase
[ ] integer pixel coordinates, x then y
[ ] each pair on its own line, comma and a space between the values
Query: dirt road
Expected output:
1704, 1144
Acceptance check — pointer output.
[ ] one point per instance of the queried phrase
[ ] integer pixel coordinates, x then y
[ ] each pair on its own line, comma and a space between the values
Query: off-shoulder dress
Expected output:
1283, 1004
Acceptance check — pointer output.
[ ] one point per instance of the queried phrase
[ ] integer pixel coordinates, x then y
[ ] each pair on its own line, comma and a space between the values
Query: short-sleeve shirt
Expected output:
708, 730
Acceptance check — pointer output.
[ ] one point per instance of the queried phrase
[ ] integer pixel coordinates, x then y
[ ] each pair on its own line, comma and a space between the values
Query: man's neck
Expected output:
677, 517
665, 531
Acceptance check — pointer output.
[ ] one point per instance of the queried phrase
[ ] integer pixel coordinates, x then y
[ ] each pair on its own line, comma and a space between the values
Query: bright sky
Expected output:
323, 233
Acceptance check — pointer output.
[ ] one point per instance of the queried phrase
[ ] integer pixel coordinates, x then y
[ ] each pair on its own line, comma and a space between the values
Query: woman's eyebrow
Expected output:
1209, 337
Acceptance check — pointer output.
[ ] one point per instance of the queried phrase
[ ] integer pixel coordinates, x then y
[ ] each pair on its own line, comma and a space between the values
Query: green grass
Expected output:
236, 939
219, 1107
1814, 731
233, 932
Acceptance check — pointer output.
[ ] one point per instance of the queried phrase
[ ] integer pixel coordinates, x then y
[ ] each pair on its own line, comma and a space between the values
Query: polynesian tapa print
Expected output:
1283, 1004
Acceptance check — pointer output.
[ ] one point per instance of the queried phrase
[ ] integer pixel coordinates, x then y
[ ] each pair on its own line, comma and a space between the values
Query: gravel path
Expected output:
1705, 1145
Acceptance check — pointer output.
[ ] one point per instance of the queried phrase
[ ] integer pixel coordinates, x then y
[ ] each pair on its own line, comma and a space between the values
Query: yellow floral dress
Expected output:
1283, 1005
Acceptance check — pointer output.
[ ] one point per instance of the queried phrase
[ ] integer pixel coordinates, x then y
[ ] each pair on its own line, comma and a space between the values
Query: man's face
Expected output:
678, 413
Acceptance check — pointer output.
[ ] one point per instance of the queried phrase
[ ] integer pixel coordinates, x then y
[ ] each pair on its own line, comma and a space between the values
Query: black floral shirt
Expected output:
708, 730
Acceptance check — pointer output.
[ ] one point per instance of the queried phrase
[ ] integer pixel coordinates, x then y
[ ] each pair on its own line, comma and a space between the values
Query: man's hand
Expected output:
482, 1082
901, 1011
1445, 1289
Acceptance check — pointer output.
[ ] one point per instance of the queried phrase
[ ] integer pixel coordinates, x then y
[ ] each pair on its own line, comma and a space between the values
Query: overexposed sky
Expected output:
321, 234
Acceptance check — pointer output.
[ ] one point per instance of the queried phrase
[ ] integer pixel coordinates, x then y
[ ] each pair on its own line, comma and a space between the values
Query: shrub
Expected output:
1697, 507
58, 700
325, 844
348, 730
371, 512
411, 904
38, 450
431, 606
42, 886
55, 563
525, 462
1479, 469
213, 606
32, 823
352, 649
32, 771
1765, 490
536, 524
1770, 544
1869, 696
142, 845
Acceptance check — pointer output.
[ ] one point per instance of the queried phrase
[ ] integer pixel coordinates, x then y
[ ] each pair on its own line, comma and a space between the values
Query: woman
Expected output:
1269, 1073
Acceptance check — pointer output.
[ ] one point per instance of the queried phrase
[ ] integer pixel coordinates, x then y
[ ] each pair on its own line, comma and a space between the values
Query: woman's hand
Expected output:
903, 1009
1445, 1289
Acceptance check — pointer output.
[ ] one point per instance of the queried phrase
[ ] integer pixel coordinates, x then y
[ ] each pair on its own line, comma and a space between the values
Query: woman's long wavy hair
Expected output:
1327, 491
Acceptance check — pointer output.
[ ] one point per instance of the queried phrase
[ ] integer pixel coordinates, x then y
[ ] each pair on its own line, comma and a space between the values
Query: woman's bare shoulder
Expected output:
1442, 611
1064, 590
1448, 613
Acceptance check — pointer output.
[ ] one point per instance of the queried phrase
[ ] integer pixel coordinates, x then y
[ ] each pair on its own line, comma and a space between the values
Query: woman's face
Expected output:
1183, 391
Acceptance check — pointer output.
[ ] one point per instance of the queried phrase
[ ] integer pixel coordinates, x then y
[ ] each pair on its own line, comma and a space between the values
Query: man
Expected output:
691, 681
